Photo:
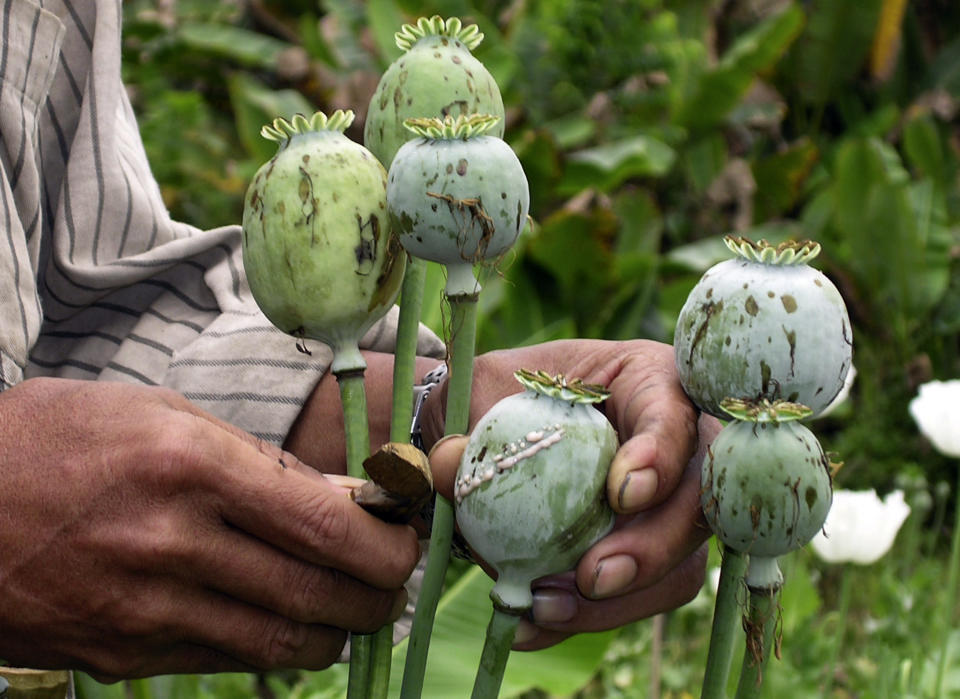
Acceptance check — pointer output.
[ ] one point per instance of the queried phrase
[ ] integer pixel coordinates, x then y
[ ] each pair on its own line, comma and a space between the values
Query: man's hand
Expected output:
141, 536
654, 558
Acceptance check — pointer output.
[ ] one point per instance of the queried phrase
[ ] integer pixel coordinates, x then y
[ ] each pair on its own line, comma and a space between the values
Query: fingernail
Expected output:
613, 575
551, 606
444, 442
525, 632
637, 489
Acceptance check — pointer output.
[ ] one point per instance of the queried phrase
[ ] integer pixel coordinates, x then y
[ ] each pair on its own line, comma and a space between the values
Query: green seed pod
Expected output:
457, 195
317, 246
766, 484
530, 493
764, 325
437, 76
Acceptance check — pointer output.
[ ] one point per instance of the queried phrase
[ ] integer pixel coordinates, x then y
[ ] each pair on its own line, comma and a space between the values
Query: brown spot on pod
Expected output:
789, 303
462, 167
751, 305
456, 59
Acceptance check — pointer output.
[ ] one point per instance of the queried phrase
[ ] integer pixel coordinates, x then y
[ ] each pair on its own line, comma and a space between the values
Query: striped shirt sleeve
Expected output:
96, 280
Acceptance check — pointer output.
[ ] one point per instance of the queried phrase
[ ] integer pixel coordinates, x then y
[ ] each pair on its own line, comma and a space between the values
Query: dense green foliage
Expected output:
647, 129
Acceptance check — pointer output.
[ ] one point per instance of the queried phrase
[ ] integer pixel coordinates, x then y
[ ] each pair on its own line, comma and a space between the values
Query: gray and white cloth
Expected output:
96, 281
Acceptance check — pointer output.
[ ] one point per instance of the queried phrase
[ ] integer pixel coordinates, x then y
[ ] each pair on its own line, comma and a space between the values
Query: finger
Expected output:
282, 458
248, 570
559, 611
307, 517
644, 548
658, 426
445, 460
160, 631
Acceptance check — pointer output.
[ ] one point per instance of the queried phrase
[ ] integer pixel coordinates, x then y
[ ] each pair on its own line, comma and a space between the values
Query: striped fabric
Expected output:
96, 280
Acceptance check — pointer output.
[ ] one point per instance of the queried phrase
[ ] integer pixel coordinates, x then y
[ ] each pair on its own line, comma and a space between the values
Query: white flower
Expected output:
860, 527
936, 410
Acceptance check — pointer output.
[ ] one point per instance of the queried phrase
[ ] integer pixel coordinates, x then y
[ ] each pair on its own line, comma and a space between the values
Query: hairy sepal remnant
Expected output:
766, 486
436, 76
459, 197
317, 247
764, 325
530, 493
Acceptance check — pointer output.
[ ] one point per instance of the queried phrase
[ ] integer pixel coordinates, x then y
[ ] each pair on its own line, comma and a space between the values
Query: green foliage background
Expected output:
647, 129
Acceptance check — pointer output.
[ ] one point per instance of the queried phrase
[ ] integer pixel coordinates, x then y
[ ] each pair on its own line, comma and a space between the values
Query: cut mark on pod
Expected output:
511, 454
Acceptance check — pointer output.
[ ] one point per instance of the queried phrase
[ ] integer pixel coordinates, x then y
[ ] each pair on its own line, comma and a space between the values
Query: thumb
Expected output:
445, 460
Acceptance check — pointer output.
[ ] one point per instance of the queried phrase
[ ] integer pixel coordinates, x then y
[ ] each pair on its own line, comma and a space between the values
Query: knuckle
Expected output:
177, 451
329, 523
283, 642
312, 594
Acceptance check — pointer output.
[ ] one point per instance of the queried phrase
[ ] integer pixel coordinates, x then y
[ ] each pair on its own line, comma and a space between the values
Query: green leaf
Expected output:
254, 104
781, 178
924, 151
457, 640
755, 52
385, 20
704, 160
246, 47
886, 227
608, 165
832, 49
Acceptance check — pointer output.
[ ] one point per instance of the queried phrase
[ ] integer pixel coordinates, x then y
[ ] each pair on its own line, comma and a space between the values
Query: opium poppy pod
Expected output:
317, 247
766, 484
457, 196
764, 325
436, 76
530, 493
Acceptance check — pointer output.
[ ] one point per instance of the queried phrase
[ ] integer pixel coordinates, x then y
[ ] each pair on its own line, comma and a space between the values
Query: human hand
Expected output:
141, 536
654, 559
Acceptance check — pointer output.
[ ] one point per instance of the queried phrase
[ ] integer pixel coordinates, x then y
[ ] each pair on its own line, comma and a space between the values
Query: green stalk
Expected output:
401, 416
404, 361
463, 344
353, 397
496, 652
761, 624
948, 600
726, 618
842, 611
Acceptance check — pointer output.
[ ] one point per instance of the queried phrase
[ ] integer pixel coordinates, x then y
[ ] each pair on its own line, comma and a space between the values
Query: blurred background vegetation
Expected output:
647, 129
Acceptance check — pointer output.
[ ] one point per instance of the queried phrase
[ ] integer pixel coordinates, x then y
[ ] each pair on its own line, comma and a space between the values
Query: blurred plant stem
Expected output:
843, 609
948, 603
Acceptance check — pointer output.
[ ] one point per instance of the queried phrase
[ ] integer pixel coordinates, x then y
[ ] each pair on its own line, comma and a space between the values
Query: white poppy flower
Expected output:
860, 527
936, 410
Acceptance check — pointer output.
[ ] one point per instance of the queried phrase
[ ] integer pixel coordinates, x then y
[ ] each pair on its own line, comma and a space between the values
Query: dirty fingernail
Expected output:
553, 606
525, 632
637, 489
613, 575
